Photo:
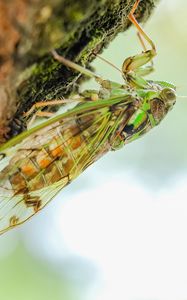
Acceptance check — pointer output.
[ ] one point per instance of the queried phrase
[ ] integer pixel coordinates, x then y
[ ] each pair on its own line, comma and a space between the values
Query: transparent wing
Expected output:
66, 148
14, 211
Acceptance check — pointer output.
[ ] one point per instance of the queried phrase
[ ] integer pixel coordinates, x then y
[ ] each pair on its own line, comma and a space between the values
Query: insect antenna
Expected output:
181, 96
108, 62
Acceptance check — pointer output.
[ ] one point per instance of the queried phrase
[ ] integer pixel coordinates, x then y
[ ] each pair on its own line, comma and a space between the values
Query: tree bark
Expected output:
76, 29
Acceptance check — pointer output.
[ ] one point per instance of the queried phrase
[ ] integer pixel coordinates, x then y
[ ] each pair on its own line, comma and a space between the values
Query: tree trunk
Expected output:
31, 28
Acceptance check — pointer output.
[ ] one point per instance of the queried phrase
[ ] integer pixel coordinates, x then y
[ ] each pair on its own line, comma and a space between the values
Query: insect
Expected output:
38, 163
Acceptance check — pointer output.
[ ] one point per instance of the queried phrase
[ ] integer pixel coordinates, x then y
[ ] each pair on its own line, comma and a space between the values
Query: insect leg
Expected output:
54, 102
35, 110
80, 69
148, 69
74, 66
138, 26
132, 66
38, 105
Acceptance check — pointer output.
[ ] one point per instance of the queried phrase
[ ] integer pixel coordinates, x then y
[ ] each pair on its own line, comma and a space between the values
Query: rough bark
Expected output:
28, 73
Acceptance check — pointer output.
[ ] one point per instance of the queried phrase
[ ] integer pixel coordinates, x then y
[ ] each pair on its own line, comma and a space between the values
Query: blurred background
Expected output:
119, 230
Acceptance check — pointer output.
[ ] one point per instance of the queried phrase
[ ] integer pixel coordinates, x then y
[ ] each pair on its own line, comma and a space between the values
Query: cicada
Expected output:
39, 162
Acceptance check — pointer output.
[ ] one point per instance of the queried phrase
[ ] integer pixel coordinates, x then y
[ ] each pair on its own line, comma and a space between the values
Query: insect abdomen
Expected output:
62, 156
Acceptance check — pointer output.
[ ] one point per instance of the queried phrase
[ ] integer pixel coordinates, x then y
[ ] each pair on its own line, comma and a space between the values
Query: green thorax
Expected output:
148, 108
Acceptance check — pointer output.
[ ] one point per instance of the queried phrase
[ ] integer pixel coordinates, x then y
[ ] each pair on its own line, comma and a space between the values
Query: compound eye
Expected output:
158, 109
168, 95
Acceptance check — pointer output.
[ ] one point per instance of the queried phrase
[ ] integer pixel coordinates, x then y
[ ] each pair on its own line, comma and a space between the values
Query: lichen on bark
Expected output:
76, 28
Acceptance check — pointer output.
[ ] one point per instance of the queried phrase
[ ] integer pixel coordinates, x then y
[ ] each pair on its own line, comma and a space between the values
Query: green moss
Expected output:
85, 53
